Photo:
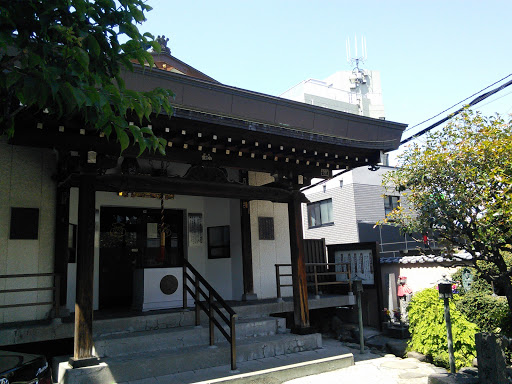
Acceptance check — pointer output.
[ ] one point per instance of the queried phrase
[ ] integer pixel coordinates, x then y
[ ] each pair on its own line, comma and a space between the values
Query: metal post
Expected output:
210, 317
185, 294
198, 313
360, 315
317, 296
278, 284
449, 334
56, 295
233, 342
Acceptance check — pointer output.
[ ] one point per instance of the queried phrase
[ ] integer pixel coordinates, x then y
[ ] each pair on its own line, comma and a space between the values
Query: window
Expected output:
218, 242
390, 203
266, 228
320, 213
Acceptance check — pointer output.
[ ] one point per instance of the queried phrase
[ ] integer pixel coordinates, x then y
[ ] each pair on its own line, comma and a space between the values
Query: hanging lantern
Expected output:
445, 288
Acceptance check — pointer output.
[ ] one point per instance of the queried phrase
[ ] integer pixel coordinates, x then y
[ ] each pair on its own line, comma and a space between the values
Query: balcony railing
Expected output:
55, 288
318, 277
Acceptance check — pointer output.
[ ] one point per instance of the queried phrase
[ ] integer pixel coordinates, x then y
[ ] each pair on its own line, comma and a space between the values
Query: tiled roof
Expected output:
420, 259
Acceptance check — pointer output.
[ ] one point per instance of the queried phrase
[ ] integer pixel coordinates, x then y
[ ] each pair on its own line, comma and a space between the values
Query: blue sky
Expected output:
431, 54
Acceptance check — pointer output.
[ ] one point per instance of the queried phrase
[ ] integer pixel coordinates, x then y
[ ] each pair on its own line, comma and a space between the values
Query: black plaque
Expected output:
24, 223
168, 284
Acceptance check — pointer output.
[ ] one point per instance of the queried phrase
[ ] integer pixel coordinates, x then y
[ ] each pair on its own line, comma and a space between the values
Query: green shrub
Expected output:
428, 329
490, 313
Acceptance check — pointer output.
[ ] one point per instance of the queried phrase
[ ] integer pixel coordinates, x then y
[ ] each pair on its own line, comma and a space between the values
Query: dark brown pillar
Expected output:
245, 224
300, 291
85, 270
61, 241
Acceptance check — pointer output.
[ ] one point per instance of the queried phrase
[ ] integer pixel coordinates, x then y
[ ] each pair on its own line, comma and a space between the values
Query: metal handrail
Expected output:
315, 274
405, 243
213, 304
55, 288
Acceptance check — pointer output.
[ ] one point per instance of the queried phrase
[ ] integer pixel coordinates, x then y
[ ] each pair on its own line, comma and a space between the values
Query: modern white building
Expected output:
358, 92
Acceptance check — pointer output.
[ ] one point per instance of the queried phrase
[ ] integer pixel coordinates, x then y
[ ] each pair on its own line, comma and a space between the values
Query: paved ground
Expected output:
375, 369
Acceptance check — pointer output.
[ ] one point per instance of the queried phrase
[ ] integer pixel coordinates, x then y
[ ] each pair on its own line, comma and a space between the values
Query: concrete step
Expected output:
165, 362
173, 338
145, 322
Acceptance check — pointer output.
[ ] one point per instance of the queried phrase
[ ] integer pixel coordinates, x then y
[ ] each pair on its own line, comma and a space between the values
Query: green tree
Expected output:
459, 185
66, 57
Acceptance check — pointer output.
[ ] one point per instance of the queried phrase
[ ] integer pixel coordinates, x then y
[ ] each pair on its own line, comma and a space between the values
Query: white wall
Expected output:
25, 181
267, 253
419, 276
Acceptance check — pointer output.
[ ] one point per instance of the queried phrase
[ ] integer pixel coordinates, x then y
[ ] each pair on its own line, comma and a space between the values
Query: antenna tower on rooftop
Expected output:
357, 59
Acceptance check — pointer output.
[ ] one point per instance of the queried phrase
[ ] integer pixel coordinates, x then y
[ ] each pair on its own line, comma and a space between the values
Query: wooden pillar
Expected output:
61, 240
300, 291
85, 270
245, 224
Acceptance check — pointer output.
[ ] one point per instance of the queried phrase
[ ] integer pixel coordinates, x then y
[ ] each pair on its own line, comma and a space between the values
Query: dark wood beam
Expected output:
85, 270
71, 136
179, 186
299, 282
245, 227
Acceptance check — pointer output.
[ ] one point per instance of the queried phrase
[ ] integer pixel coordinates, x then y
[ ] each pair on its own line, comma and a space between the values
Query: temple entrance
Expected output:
130, 241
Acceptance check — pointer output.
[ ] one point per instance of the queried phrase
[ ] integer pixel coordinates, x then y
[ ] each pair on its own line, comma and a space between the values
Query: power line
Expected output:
473, 102
454, 105
496, 99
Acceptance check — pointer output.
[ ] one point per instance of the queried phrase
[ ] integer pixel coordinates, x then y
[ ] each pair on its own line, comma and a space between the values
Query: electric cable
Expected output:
496, 99
454, 105
473, 102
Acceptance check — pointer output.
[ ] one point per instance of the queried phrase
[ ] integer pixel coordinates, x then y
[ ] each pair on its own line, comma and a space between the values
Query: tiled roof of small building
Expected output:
420, 259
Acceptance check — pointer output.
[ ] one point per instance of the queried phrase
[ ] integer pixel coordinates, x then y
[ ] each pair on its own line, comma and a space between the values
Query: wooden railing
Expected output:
207, 299
55, 288
315, 275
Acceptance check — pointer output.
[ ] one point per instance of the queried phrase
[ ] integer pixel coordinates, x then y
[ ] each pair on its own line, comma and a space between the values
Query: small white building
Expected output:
358, 92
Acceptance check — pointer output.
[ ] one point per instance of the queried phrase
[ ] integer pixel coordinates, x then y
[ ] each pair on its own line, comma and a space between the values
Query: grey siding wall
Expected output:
344, 229
369, 202
357, 197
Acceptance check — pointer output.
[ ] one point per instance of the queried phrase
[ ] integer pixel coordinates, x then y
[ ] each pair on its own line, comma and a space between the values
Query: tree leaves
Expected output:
65, 56
459, 185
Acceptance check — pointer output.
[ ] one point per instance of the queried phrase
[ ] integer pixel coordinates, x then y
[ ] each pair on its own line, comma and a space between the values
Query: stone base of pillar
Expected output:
303, 330
249, 297
86, 362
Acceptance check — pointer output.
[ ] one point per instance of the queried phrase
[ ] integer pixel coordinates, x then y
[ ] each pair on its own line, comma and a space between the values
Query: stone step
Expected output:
120, 344
165, 362
146, 322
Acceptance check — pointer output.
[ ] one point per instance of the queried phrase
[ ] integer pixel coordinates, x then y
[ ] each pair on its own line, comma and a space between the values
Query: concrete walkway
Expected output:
373, 369
370, 368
